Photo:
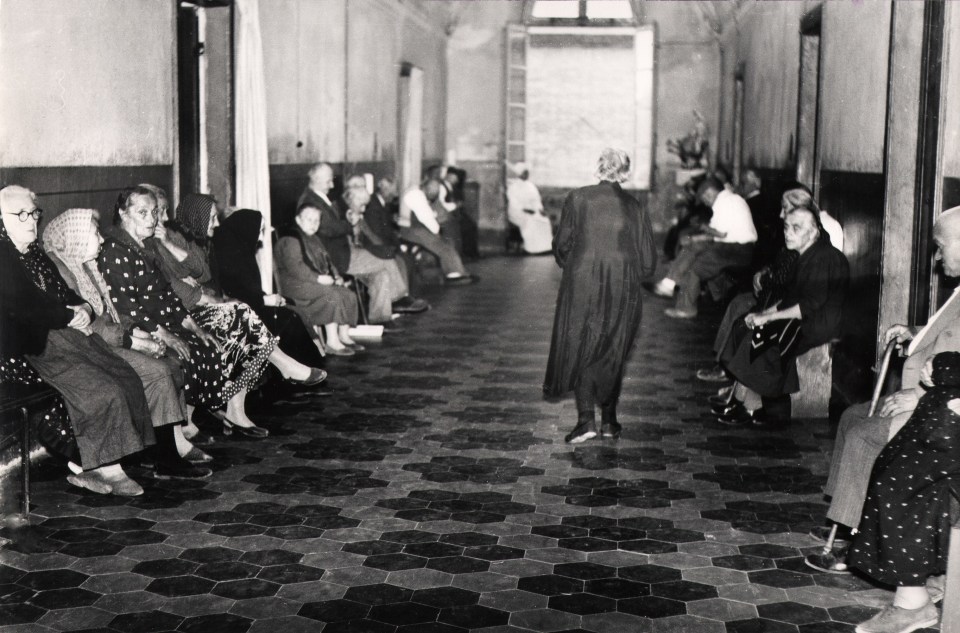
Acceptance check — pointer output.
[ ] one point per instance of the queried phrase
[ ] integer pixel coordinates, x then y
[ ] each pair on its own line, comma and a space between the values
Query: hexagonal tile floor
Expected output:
433, 493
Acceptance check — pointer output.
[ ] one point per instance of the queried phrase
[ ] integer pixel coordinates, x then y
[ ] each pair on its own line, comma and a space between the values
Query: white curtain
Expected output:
411, 115
253, 172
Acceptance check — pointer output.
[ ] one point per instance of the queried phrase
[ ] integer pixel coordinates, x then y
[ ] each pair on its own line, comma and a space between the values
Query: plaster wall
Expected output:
82, 88
853, 101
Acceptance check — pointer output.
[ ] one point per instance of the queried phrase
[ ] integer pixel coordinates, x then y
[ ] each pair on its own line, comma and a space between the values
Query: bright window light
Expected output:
556, 9
609, 9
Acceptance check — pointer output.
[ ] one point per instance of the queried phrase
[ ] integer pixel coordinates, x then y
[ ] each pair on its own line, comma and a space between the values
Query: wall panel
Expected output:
86, 83
853, 101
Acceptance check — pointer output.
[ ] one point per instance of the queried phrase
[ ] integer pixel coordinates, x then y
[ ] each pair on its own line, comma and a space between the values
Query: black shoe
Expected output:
586, 429
611, 430
462, 280
736, 416
763, 420
315, 378
410, 305
180, 469
255, 432
391, 327
727, 409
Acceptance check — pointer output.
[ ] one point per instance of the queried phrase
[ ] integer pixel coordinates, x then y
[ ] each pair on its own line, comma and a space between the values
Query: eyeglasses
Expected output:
36, 214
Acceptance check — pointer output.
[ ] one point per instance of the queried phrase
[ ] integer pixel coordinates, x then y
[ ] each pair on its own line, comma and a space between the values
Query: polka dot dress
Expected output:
141, 292
905, 528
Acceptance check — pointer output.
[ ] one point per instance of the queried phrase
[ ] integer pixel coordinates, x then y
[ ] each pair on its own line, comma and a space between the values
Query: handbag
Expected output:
782, 334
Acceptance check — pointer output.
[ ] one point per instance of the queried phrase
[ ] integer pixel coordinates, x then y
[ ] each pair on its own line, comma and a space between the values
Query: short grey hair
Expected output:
10, 193
613, 165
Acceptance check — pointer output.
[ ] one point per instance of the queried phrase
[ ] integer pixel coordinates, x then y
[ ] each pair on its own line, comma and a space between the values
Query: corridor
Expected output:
433, 493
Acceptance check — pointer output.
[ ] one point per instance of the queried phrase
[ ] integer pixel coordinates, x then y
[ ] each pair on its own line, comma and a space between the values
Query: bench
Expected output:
19, 404
815, 374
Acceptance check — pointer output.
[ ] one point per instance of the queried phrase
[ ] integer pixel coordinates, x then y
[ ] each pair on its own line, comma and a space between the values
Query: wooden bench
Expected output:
815, 374
19, 404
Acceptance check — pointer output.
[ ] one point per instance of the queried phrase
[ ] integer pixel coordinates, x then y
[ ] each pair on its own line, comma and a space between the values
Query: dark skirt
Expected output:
103, 396
597, 318
215, 377
904, 532
769, 375
295, 340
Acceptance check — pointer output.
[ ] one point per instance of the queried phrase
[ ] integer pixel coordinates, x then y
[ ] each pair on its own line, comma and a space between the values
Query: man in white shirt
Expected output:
419, 225
727, 242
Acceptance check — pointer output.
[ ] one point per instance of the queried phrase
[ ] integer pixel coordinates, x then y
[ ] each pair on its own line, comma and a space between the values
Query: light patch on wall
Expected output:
467, 37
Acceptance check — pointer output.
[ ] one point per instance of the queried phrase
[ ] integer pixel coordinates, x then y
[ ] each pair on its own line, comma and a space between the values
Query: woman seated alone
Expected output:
308, 276
218, 371
237, 240
72, 240
760, 353
45, 331
904, 533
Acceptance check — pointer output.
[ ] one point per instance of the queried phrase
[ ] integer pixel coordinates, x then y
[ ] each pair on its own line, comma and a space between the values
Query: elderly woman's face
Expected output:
800, 230
20, 217
309, 220
214, 221
139, 219
94, 241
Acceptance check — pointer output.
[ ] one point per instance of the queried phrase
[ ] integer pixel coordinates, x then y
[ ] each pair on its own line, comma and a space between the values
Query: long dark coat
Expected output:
605, 246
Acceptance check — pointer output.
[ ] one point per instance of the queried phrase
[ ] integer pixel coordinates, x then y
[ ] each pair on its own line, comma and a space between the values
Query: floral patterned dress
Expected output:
140, 290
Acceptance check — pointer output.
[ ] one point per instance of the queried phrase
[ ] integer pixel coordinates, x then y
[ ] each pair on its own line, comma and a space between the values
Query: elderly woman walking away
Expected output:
72, 240
605, 247
45, 330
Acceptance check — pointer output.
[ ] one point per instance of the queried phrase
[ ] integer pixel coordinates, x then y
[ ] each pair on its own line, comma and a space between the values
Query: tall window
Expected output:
580, 78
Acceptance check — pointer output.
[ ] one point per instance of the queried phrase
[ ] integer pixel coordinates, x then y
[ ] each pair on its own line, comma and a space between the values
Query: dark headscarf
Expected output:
236, 241
193, 216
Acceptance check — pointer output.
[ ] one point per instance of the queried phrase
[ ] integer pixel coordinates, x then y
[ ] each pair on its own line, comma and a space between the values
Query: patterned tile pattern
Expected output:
433, 494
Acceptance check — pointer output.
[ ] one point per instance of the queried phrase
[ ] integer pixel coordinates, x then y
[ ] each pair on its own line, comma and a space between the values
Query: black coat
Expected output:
27, 313
605, 246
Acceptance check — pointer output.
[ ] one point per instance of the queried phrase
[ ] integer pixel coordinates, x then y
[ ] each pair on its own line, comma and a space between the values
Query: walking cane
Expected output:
877, 390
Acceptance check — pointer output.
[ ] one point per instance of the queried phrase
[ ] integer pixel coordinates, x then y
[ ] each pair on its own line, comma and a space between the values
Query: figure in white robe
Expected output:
525, 210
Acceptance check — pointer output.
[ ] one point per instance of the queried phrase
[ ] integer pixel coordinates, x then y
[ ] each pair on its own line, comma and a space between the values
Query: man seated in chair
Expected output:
384, 279
861, 438
727, 242
421, 216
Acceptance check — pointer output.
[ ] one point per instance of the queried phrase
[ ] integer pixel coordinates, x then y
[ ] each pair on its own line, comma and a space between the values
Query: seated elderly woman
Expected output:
237, 240
769, 283
72, 240
45, 331
904, 533
309, 278
218, 370
186, 256
761, 352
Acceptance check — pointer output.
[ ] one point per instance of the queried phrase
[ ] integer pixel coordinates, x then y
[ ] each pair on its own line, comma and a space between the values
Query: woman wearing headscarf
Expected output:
237, 240
605, 247
72, 241
198, 287
218, 371
308, 276
45, 331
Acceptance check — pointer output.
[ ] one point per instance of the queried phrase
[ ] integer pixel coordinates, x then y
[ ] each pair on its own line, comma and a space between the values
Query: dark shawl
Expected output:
34, 299
237, 240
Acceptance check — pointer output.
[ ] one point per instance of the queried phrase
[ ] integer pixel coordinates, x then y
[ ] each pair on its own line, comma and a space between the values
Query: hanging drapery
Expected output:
253, 171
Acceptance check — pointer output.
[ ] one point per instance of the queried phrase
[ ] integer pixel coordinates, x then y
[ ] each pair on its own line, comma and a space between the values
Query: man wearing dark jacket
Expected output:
387, 284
